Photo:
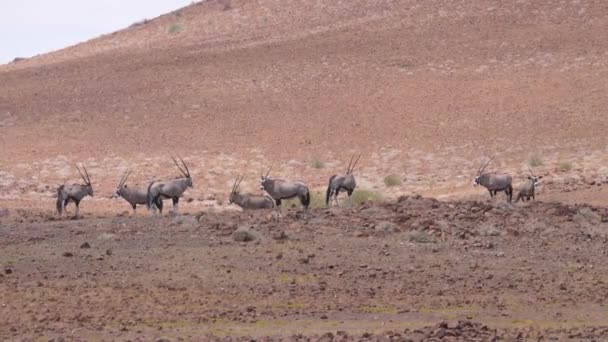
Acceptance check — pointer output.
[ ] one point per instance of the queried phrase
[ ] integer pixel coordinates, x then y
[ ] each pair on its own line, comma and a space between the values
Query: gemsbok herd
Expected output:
276, 190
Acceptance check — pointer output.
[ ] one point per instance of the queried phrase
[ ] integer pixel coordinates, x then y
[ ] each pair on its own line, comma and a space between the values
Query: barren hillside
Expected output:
432, 85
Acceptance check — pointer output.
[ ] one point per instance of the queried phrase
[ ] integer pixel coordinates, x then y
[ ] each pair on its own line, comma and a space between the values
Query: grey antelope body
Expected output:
494, 182
133, 196
529, 188
74, 192
346, 182
173, 189
247, 201
280, 189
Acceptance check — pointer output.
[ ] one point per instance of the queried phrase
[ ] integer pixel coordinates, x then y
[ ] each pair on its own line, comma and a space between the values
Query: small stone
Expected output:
245, 234
85, 245
109, 252
68, 254
8, 270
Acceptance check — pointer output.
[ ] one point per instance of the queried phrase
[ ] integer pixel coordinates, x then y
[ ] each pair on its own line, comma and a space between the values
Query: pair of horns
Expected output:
267, 173
87, 179
482, 166
530, 170
237, 183
350, 169
185, 171
124, 177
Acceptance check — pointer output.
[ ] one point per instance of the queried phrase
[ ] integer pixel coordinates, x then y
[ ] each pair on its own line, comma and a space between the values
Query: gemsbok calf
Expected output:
529, 188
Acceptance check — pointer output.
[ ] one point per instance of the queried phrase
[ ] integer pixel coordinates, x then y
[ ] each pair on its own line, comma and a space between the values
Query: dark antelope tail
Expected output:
328, 194
306, 200
510, 193
149, 198
59, 199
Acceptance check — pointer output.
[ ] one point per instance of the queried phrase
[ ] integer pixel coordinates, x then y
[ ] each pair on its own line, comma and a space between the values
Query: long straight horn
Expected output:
80, 172
349, 163
486, 165
480, 166
176, 164
355, 164
239, 183
127, 174
234, 184
87, 173
185, 166
122, 180
530, 170
268, 173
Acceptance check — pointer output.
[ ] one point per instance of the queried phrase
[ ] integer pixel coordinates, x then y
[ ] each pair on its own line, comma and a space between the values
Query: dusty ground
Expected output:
397, 269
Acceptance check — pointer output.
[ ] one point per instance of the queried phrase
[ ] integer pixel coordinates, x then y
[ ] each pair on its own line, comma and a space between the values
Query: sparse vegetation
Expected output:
140, 23
419, 236
174, 28
564, 166
361, 196
535, 161
392, 180
317, 199
317, 163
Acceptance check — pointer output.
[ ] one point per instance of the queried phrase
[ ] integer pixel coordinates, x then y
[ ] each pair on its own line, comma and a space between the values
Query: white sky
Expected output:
31, 27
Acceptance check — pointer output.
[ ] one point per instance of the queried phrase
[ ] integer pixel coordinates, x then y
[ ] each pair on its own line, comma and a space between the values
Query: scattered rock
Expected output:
8, 270
68, 254
85, 245
108, 252
279, 235
386, 226
245, 234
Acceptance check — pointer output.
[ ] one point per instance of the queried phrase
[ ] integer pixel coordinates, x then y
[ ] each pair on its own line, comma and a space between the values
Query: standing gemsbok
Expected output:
133, 196
346, 182
74, 192
173, 189
280, 189
248, 201
529, 188
494, 182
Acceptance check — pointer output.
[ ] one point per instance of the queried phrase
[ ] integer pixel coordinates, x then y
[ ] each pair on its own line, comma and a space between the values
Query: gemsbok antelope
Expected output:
173, 189
494, 182
133, 196
529, 188
280, 189
74, 192
248, 201
346, 182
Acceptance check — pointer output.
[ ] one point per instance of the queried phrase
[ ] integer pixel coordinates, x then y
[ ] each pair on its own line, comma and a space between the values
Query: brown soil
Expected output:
397, 269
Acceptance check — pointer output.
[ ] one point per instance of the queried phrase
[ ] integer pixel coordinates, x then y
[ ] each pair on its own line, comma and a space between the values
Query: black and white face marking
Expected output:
476, 181
535, 180
263, 182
